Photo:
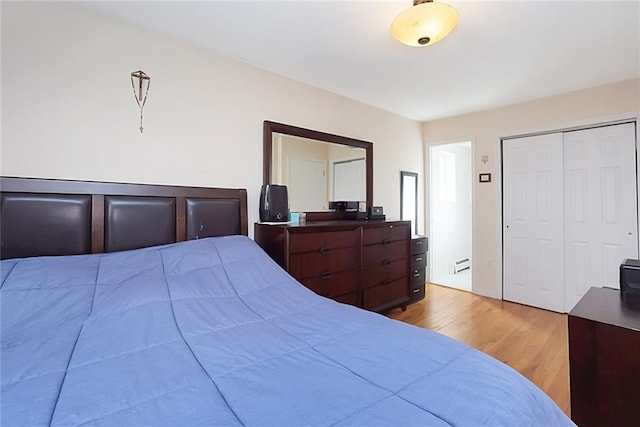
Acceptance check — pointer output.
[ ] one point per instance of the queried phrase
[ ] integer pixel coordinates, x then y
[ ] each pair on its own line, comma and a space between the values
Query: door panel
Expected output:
533, 221
307, 185
601, 211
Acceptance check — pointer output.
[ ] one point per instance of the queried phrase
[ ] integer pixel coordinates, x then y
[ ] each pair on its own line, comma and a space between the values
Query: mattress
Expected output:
213, 332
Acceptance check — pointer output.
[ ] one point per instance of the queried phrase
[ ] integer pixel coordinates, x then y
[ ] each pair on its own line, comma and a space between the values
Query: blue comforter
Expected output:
212, 332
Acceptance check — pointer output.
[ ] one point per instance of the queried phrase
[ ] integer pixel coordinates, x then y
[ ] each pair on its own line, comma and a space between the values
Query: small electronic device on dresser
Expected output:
349, 209
274, 203
419, 248
630, 277
376, 213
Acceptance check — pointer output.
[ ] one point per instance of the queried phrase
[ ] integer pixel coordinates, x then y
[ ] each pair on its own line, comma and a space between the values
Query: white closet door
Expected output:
600, 207
533, 221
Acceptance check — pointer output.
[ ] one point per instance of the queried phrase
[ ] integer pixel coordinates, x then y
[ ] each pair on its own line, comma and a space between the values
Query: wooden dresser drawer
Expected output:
333, 284
379, 254
418, 278
386, 233
419, 245
312, 264
323, 241
418, 293
384, 272
418, 261
383, 294
351, 299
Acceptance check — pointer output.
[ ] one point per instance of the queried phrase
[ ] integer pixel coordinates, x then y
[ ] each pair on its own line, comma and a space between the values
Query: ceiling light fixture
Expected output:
425, 23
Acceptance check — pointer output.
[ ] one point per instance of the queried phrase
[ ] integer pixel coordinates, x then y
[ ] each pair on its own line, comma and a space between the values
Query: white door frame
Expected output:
427, 198
560, 127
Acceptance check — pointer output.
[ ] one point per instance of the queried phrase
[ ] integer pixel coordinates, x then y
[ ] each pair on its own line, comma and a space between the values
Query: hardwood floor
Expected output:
530, 340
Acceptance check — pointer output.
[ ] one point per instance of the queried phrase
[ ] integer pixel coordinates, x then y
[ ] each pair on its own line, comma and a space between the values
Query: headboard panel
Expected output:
61, 217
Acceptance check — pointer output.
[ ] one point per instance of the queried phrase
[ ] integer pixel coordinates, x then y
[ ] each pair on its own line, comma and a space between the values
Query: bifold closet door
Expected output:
533, 220
600, 207
569, 213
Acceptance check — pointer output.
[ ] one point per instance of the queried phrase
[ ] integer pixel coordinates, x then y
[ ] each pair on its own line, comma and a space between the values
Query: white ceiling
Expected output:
502, 52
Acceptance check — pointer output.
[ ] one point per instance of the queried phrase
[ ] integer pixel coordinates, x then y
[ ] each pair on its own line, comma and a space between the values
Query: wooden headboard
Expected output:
60, 217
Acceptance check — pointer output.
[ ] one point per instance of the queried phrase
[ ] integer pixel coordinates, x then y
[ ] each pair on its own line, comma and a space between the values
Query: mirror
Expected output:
409, 199
317, 167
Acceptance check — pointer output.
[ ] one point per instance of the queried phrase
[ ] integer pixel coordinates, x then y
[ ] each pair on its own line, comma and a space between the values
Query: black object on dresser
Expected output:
419, 248
630, 277
363, 263
274, 203
604, 359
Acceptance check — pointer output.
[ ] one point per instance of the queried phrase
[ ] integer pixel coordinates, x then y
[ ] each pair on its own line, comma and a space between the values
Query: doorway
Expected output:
450, 244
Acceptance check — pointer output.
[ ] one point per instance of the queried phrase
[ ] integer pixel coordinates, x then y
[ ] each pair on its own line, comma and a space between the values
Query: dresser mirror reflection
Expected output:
317, 167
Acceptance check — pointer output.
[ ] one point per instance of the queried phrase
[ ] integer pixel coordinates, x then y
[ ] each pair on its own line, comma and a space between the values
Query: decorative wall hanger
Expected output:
140, 82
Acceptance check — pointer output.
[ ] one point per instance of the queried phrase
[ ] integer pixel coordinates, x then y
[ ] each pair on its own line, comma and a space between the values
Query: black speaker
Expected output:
344, 206
630, 277
274, 203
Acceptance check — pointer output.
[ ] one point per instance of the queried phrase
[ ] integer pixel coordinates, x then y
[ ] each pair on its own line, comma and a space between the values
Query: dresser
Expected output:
362, 263
604, 359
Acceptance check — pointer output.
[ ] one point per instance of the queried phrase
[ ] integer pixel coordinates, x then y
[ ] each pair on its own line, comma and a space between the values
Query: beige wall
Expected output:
68, 109
615, 101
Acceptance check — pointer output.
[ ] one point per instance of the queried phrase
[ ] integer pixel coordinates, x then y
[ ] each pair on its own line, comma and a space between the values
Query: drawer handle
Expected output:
419, 242
419, 259
386, 241
387, 282
386, 262
415, 291
416, 274
326, 250
326, 275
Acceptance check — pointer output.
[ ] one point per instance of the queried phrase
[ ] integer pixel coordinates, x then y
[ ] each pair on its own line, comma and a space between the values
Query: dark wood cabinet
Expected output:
363, 263
604, 359
419, 248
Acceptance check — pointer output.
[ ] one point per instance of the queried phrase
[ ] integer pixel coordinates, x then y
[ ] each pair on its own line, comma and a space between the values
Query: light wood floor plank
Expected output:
530, 340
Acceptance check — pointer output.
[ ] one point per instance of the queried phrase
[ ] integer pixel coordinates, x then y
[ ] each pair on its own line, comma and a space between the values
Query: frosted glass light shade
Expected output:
424, 24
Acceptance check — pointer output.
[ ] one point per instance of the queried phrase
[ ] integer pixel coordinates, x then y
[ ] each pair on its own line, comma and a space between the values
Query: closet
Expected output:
570, 213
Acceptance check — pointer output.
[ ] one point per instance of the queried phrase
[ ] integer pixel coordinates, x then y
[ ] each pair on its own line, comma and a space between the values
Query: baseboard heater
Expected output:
460, 265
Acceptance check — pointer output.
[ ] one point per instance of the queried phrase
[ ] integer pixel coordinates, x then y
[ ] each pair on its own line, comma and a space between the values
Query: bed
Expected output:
195, 325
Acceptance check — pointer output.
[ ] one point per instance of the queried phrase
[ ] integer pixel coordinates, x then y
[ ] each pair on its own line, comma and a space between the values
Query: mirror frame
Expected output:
414, 175
270, 128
